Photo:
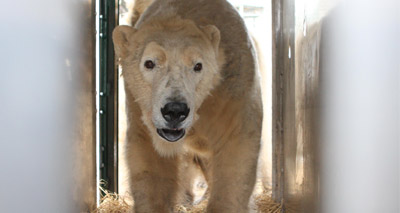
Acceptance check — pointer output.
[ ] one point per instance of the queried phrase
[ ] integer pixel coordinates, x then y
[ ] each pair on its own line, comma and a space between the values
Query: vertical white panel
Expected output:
38, 46
360, 80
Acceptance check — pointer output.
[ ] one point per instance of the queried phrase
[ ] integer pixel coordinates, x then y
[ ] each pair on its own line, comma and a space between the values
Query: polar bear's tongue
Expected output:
171, 135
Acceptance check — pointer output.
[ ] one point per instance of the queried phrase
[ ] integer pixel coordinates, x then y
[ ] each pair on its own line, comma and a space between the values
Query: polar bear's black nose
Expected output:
175, 112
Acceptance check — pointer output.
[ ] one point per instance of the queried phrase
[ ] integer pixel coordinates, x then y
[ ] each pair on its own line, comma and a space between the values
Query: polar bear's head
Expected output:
169, 67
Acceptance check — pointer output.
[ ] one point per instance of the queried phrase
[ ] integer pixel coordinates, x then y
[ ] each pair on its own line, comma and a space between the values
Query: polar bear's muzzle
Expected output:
174, 113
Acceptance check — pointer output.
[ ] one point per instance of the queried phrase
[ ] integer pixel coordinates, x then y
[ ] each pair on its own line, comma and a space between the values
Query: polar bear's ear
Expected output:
213, 34
120, 37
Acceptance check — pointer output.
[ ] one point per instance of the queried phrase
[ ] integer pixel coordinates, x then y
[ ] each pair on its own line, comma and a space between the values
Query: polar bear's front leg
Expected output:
233, 177
154, 181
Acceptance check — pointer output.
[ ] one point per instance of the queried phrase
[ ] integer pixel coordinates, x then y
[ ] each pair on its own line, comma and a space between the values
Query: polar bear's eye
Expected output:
198, 67
149, 64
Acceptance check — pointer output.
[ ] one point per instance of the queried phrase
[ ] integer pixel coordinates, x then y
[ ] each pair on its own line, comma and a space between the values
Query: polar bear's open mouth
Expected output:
171, 135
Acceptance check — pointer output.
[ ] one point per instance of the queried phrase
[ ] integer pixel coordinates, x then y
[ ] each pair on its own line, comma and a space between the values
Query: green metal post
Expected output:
108, 113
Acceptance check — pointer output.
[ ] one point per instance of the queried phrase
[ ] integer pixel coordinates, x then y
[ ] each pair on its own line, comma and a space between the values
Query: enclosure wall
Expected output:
47, 110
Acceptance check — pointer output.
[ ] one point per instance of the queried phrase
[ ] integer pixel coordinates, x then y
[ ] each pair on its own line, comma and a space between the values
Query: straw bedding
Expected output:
114, 203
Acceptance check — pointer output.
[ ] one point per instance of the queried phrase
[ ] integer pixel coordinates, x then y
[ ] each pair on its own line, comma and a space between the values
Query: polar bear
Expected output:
192, 89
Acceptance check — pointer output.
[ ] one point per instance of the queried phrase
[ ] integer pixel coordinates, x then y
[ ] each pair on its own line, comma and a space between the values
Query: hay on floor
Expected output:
113, 203
266, 204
